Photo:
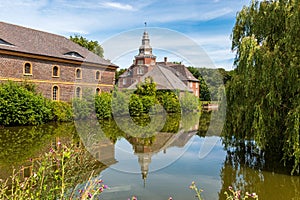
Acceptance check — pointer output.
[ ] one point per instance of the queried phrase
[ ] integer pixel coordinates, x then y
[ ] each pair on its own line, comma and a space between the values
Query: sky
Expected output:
208, 23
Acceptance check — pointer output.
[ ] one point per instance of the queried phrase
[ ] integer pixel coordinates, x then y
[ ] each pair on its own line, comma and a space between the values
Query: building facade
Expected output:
59, 68
145, 62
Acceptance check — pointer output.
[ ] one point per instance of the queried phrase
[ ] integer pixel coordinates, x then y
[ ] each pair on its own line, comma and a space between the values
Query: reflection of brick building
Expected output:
170, 76
60, 68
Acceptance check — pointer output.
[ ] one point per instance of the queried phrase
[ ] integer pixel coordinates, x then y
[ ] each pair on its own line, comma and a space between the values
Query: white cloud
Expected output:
116, 5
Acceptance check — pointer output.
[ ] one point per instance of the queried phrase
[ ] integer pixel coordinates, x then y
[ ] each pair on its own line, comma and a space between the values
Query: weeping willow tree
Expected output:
263, 96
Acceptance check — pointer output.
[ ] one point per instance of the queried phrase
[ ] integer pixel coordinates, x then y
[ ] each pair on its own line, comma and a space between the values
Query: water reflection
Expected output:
153, 164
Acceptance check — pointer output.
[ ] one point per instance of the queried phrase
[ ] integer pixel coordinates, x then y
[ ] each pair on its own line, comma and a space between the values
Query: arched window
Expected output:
55, 93
98, 91
98, 75
78, 73
78, 92
27, 68
55, 71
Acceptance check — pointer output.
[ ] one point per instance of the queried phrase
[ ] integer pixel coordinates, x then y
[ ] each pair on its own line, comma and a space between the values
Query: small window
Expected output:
140, 70
124, 81
55, 93
55, 71
78, 74
98, 91
140, 62
78, 92
27, 69
98, 75
197, 85
191, 84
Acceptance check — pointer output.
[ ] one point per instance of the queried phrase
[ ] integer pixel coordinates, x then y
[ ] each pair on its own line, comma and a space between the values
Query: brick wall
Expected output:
11, 67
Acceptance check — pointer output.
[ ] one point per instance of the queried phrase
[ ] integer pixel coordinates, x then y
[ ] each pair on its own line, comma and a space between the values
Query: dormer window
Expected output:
73, 54
3, 42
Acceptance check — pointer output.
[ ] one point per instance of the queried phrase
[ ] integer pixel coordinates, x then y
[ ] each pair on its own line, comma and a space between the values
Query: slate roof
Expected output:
26, 40
164, 79
180, 70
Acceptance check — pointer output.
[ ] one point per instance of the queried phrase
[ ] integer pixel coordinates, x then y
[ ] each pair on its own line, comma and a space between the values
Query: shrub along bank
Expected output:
20, 104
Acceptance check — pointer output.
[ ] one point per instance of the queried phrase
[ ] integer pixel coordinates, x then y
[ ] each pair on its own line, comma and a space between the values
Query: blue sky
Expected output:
207, 22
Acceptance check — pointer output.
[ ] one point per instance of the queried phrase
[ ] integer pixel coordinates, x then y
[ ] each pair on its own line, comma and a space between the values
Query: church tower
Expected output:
145, 56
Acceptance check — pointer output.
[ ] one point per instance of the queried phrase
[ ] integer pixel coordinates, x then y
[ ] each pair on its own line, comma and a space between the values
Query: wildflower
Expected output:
100, 181
101, 189
58, 143
80, 191
170, 198
51, 150
90, 195
105, 186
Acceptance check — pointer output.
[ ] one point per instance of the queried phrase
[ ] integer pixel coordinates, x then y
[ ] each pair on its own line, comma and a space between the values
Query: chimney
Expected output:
165, 60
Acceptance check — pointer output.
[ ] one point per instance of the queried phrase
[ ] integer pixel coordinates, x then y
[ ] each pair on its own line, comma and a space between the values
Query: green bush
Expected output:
103, 105
169, 101
120, 101
148, 102
135, 105
19, 106
61, 111
189, 102
82, 108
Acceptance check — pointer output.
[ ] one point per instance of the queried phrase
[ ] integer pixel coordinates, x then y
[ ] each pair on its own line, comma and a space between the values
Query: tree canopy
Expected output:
91, 45
263, 96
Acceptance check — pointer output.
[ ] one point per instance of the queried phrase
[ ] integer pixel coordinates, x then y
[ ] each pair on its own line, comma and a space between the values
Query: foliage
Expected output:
189, 102
19, 106
120, 100
103, 105
148, 87
169, 100
263, 95
135, 105
232, 195
210, 81
61, 111
82, 108
91, 45
56, 176
118, 73
236, 195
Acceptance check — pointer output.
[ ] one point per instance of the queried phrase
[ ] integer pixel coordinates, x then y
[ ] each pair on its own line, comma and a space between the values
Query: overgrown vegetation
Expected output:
211, 80
21, 105
58, 174
91, 45
264, 94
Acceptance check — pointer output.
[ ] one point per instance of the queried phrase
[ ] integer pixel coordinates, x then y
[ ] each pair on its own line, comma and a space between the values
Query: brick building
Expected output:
167, 75
60, 68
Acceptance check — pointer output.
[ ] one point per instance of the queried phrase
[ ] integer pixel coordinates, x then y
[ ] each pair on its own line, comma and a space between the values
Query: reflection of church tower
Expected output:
144, 161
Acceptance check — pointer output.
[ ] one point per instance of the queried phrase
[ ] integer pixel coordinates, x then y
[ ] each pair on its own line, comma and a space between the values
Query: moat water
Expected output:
157, 164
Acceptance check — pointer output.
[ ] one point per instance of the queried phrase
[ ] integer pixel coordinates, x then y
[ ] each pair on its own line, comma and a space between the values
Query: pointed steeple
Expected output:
145, 56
